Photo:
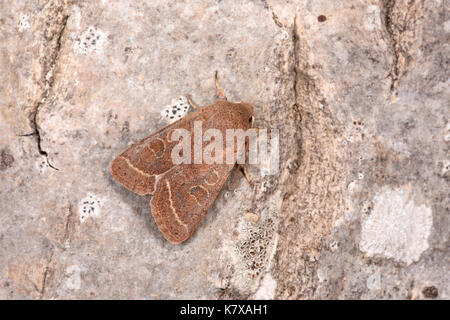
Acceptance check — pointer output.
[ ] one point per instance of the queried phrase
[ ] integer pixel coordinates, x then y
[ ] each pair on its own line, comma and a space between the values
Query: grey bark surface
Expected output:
359, 90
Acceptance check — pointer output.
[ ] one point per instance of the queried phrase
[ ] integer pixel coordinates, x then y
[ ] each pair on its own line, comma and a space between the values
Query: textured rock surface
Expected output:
361, 96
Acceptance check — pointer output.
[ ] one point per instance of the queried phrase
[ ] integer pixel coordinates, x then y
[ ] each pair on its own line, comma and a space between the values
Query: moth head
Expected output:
247, 112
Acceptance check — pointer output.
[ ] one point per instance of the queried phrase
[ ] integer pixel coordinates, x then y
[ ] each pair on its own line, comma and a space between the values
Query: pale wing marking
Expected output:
177, 217
211, 184
136, 169
200, 186
195, 198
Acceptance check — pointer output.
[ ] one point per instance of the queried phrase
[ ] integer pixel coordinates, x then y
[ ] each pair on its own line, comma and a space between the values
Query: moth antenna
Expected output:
220, 92
191, 103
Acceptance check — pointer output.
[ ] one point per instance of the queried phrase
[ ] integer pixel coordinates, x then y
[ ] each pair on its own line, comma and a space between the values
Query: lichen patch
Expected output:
398, 227
89, 207
176, 110
90, 41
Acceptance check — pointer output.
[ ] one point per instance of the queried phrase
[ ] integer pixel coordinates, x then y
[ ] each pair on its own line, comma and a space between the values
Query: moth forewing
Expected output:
138, 166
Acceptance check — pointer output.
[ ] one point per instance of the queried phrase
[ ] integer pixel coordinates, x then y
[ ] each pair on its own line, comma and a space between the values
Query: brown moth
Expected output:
182, 194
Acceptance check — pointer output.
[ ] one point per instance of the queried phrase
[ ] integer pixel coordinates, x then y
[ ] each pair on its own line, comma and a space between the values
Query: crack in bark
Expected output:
313, 167
49, 82
401, 21
276, 20
48, 268
37, 133
388, 24
46, 275
295, 38
67, 225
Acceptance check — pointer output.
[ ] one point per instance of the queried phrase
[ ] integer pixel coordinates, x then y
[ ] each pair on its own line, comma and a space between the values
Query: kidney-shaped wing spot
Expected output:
200, 194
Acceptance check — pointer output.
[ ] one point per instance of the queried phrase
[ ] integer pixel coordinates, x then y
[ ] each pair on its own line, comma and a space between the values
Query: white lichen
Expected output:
266, 290
73, 274
372, 19
176, 110
24, 22
373, 282
91, 41
89, 207
397, 228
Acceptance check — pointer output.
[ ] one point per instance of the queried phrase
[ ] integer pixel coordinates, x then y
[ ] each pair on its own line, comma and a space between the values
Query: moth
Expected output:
181, 193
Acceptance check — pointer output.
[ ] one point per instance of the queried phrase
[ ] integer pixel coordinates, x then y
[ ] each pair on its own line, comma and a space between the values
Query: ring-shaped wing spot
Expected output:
200, 195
